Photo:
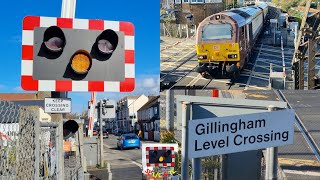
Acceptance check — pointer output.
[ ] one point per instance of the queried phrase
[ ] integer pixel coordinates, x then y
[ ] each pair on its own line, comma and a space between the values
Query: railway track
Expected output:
179, 73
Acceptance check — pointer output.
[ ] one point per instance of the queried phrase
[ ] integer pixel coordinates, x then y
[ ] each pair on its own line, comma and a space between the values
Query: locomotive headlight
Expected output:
81, 62
232, 56
218, 17
202, 57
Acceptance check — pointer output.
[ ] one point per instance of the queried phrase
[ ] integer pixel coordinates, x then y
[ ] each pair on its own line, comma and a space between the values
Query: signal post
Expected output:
65, 54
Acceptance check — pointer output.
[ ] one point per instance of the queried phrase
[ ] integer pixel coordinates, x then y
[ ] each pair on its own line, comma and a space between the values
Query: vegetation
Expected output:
208, 163
285, 5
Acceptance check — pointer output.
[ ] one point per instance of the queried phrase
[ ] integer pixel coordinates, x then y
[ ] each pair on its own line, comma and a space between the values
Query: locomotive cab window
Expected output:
216, 31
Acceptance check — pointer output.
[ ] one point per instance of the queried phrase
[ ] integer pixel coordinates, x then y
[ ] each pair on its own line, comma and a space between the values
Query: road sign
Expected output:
151, 155
57, 105
109, 110
65, 54
230, 134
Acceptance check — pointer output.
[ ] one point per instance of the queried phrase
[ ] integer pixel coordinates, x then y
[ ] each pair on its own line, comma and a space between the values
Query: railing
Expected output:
177, 30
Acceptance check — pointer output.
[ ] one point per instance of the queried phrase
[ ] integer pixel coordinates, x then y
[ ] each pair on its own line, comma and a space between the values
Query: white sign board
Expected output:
230, 134
107, 112
57, 105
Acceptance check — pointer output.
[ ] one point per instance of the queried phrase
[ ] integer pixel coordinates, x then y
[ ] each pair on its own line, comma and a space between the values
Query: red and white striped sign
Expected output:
30, 84
160, 164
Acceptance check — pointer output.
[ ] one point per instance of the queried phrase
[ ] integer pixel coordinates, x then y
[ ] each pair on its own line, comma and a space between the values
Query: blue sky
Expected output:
144, 14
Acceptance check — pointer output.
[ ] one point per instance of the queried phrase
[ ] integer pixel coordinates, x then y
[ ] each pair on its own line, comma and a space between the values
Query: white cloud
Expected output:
145, 84
149, 82
18, 89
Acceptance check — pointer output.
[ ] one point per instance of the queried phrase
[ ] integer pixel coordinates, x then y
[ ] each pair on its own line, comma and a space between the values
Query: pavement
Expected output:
121, 164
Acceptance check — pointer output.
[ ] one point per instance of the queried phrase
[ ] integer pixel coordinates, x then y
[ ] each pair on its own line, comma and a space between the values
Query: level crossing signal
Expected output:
64, 54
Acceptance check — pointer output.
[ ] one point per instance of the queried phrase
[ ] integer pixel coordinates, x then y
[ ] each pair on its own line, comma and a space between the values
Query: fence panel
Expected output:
17, 141
48, 152
177, 30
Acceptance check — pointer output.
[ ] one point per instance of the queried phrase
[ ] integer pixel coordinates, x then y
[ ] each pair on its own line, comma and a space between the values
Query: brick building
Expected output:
199, 9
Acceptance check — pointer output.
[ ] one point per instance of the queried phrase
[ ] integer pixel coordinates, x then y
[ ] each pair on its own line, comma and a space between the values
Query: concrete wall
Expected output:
45, 117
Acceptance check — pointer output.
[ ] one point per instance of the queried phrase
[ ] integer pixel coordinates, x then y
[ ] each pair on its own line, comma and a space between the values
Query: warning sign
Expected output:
57, 105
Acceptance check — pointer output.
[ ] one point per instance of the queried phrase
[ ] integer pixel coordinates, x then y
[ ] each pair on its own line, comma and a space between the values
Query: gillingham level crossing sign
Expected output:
65, 54
230, 134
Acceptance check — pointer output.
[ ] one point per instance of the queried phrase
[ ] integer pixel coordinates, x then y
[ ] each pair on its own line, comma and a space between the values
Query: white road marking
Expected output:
184, 56
308, 173
109, 172
194, 80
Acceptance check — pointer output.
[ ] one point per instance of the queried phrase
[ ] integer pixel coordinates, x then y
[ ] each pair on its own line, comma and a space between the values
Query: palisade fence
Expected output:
177, 30
29, 148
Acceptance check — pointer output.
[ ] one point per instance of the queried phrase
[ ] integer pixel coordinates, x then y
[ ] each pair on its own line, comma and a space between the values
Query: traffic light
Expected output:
70, 127
160, 156
64, 54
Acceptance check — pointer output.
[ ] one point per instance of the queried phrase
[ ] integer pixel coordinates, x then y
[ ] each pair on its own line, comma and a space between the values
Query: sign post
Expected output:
184, 144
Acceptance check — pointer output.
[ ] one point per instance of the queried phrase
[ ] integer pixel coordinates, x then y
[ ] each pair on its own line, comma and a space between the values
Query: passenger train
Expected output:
224, 41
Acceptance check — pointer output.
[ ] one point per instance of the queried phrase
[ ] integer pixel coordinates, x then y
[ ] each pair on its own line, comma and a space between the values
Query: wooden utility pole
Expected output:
298, 57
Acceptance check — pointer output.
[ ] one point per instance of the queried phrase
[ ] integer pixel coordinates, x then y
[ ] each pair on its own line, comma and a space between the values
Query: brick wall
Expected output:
199, 11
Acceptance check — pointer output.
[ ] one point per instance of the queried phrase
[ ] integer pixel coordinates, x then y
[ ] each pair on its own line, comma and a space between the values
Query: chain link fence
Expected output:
177, 30
48, 151
29, 149
17, 141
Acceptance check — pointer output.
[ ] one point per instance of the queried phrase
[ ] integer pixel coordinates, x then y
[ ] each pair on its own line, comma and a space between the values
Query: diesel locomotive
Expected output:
224, 41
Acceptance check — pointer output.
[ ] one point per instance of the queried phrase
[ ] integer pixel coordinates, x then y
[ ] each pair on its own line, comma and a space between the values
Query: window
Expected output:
197, 1
177, 1
216, 31
155, 110
131, 137
213, 1
185, 1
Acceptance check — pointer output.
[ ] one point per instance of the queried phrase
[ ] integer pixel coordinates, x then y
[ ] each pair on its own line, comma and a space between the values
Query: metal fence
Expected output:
30, 149
48, 148
177, 30
17, 142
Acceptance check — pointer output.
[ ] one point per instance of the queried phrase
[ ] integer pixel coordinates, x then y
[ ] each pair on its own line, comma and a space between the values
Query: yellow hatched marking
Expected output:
298, 162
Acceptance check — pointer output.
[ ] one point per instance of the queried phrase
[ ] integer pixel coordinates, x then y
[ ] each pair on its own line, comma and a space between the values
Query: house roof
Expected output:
151, 102
132, 97
17, 96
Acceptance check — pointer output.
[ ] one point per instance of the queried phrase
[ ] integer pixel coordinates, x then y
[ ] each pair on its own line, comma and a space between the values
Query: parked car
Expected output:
95, 132
105, 133
126, 141
118, 132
